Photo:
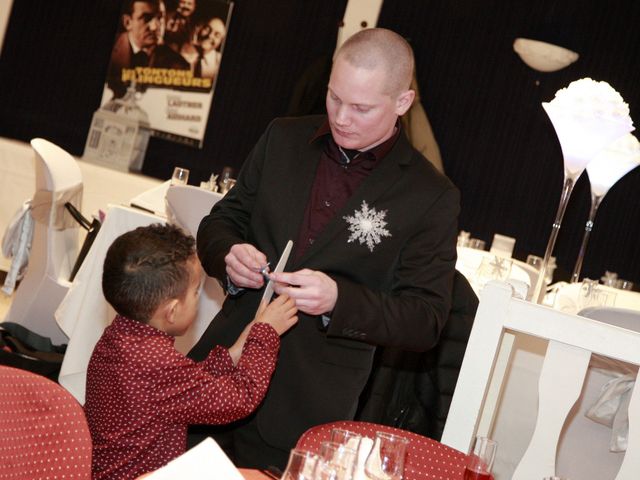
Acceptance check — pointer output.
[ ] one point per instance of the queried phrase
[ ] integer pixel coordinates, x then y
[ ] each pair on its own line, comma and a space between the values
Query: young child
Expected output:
142, 393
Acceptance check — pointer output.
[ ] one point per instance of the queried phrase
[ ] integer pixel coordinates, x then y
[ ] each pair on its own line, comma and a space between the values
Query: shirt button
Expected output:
311, 241
327, 203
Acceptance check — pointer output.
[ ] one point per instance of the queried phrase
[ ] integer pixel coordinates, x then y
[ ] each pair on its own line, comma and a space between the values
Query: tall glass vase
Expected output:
595, 203
587, 116
609, 166
539, 289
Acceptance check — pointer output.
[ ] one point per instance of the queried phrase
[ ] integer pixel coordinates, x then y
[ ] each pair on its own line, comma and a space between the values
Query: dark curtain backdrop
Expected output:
497, 145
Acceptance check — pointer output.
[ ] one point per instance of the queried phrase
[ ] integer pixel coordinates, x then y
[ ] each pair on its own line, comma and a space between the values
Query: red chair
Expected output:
426, 458
43, 430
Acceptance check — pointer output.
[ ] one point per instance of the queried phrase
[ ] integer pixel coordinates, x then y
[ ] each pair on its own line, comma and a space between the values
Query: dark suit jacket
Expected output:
398, 294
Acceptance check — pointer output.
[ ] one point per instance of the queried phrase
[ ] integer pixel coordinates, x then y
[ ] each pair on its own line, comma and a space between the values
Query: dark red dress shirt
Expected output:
335, 182
142, 394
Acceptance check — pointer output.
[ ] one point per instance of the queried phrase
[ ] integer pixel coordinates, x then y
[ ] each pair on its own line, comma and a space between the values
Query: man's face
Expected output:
145, 25
186, 7
361, 115
212, 35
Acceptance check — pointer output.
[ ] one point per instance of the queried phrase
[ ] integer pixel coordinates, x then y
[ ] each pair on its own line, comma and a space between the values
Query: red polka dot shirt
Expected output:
142, 394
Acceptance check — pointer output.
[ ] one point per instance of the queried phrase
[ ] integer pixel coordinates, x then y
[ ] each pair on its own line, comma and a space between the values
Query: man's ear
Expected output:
126, 21
404, 101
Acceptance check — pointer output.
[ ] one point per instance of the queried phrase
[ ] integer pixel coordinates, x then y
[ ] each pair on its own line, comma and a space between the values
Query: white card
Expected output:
268, 290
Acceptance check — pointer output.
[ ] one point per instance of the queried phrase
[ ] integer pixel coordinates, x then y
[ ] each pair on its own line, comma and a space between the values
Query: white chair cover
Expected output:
55, 242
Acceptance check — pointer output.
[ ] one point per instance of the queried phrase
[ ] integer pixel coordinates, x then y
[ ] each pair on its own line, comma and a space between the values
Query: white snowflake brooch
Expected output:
367, 225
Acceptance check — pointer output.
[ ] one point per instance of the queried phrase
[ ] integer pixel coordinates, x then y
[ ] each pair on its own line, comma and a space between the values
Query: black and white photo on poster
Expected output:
171, 52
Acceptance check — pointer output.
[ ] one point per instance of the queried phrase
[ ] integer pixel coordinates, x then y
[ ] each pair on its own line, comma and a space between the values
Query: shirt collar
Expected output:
378, 152
138, 328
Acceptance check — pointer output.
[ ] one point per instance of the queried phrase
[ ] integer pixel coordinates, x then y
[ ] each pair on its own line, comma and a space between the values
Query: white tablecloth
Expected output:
84, 313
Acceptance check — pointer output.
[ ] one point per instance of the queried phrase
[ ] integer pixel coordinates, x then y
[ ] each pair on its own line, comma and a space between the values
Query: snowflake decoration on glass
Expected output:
367, 225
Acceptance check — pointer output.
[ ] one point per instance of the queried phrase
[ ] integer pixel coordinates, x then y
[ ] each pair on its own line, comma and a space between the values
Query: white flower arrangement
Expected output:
587, 116
613, 163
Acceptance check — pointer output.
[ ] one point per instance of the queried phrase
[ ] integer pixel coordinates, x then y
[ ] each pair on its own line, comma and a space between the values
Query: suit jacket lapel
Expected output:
298, 193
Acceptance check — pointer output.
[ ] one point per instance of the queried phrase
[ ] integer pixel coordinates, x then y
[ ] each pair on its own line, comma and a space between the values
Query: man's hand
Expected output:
314, 292
244, 262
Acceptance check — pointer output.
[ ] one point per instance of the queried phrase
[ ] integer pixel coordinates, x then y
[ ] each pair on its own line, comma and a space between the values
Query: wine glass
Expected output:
386, 459
180, 176
346, 437
301, 465
480, 459
335, 462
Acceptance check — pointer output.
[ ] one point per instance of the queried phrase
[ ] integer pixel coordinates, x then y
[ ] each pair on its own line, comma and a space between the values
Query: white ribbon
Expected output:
47, 207
612, 407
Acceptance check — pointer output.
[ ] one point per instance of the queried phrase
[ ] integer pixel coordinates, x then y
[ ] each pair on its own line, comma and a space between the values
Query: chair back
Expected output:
43, 430
571, 341
55, 241
426, 458
186, 205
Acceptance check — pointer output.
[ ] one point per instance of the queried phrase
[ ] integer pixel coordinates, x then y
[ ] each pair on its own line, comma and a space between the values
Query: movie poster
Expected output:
170, 52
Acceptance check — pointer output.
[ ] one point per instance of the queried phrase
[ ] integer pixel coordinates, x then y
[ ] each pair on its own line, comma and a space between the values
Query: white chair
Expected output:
186, 205
55, 241
571, 341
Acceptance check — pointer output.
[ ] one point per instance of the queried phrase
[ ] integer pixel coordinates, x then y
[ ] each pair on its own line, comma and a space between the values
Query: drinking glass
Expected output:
624, 284
301, 465
534, 261
225, 181
180, 176
335, 462
386, 459
476, 243
346, 437
480, 459
463, 239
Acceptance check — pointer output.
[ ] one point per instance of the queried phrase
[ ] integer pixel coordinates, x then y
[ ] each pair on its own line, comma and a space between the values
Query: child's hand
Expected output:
280, 313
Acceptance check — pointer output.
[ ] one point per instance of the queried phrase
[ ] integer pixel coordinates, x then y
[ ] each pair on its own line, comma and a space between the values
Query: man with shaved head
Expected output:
374, 229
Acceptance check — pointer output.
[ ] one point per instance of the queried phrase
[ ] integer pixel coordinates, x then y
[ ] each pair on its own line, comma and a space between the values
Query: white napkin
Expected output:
363, 452
205, 461
611, 409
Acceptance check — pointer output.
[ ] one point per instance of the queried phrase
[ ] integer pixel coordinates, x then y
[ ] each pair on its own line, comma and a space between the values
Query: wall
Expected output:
483, 102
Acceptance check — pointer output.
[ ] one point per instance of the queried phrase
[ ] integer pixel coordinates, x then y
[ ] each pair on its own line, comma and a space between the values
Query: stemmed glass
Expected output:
362, 446
386, 459
301, 465
335, 462
347, 438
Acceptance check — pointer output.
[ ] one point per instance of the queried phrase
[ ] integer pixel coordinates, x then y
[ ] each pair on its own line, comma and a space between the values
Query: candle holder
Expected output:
609, 166
586, 116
